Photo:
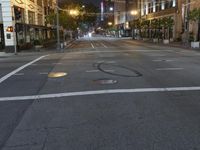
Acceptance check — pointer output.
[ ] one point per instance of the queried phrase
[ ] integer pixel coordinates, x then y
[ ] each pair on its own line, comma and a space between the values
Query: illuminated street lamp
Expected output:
134, 12
73, 12
110, 23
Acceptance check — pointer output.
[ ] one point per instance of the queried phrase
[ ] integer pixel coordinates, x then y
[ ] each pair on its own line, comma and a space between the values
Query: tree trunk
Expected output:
198, 32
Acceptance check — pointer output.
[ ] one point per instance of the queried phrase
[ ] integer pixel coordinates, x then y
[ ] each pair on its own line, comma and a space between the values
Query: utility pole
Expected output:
57, 26
14, 30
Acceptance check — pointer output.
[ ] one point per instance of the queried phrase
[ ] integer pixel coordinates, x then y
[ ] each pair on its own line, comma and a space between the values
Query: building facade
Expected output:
125, 11
23, 22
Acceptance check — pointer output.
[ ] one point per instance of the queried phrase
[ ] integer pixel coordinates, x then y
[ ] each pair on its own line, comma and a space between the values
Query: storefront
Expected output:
28, 34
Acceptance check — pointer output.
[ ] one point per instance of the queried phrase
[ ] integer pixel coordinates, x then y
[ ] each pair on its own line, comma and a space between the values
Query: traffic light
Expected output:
18, 13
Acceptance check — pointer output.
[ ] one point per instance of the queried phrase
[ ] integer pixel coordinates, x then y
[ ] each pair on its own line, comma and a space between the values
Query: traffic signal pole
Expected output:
14, 31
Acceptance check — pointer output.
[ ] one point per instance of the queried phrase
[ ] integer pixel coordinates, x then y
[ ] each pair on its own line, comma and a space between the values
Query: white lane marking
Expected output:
158, 60
20, 68
98, 92
109, 70
57, 63
110, 62
104, 45
18, 74
92, 45
43, 73
91, 71
156, 55
117, 51
107, 62
169, 69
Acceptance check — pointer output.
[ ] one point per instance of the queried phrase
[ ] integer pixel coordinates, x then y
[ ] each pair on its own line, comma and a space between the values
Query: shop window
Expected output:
40, 19
19, 14
158, 5
31, 17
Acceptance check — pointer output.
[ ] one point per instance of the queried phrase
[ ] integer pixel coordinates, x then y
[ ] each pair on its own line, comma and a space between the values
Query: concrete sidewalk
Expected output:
171, 44
3, 54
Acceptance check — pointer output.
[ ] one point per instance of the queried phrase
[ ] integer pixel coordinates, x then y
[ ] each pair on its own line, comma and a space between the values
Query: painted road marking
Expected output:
91, 71
117, 51
92, 45
100, 92
43, 73
18, 74
57, 63
20, 68
110, 62
104, 45
169, 69
156, 55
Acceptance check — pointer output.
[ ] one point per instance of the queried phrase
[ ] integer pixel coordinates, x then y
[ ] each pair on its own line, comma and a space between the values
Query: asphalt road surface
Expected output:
101, 94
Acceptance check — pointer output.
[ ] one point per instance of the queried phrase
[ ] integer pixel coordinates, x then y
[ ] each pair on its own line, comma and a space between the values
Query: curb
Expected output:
170, 45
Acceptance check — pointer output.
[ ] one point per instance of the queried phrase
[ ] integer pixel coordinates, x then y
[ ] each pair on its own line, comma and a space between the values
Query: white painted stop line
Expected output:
100, 92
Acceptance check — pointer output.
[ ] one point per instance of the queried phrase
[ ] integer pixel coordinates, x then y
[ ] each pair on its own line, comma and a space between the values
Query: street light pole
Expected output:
57, 24
14, 30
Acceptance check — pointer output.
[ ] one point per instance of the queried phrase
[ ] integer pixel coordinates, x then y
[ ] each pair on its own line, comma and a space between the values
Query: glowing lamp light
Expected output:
9, 29
134, 12
73, 12
110, 23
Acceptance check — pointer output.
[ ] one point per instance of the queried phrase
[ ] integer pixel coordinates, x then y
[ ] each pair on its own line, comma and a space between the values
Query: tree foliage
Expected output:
194, 15
85, 15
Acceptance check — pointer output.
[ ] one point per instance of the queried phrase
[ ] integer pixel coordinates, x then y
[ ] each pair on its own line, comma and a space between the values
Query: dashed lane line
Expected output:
100, 92
18, 74
20, 68
166, 69
43, 73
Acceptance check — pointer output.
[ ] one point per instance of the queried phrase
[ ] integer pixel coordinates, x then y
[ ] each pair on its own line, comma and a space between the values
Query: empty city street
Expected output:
101, 93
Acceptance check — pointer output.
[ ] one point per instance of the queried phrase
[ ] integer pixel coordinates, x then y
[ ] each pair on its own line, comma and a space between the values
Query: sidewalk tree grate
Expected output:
56, 74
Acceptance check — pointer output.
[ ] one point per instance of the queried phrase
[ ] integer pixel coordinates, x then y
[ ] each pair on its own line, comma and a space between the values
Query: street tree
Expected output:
194, 15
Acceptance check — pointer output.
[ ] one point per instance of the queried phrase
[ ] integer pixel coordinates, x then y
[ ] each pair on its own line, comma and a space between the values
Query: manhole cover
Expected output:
56, 74
105, 81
